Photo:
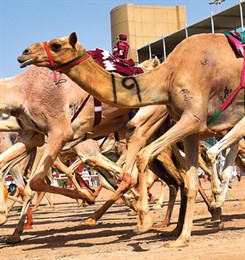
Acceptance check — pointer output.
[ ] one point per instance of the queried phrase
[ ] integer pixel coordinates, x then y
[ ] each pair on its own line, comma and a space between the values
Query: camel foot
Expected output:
34, 209
158, 206
151, 198
177, 243
13, 240
89, 222
216, 223
50, 207
212, 222
216, 217
161, 225
175, 232
120, 201
132, 213
3, 219
145, 224
217, 212
82, 203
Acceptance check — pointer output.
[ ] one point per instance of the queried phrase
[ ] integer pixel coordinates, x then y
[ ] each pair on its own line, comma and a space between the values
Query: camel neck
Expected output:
8, 98
113, 89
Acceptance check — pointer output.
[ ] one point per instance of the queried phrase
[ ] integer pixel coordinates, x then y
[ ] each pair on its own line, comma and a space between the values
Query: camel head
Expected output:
150, 64
61, 50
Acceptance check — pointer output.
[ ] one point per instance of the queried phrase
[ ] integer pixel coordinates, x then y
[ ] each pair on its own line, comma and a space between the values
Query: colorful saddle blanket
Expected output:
238, 41
107, 61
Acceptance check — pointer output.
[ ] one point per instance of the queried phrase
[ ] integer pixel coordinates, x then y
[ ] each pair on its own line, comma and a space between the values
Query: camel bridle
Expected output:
62, 67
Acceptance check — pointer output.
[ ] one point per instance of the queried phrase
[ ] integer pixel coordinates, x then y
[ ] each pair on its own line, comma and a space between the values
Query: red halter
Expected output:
61, 68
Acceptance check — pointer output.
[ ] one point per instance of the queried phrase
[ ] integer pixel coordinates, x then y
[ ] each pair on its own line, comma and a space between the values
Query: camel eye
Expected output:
56, 47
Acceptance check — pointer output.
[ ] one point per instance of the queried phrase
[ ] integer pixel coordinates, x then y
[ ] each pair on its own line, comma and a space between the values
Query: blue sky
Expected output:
23, 22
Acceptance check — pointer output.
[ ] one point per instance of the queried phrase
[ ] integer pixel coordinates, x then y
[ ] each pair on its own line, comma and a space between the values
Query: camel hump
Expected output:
237, 40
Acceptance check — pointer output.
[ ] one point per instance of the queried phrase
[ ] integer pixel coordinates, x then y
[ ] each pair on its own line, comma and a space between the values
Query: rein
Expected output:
62, 67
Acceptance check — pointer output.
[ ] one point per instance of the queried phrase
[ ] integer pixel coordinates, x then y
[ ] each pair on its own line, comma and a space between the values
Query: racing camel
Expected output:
194, 81
34, 124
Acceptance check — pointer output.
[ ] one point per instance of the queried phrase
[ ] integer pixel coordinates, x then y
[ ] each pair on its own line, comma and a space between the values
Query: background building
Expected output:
227, 20
144, 24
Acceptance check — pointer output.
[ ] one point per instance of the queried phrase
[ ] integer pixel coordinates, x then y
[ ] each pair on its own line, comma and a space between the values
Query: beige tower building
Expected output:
144, 24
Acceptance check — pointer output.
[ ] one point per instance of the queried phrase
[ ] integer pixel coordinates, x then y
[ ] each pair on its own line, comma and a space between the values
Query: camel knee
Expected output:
191, 193
212, 155
141, 161
36, 184
127, 181
130, 129
67, 135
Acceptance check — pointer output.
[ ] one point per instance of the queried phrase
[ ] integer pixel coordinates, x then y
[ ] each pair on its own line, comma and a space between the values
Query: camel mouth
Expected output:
25, 63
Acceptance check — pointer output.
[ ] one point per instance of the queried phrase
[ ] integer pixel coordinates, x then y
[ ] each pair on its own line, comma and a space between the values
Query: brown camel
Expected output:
193, 82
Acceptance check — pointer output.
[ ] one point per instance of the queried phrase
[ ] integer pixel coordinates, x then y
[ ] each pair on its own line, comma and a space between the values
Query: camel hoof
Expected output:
176, 243
13, 240
3, 219
50, 207
89, 222
132, 213
214, 222
160, 226
157, 206
144, 226
144, 247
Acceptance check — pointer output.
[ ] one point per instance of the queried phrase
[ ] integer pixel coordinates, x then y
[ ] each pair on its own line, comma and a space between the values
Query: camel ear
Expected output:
156, 62
73, 39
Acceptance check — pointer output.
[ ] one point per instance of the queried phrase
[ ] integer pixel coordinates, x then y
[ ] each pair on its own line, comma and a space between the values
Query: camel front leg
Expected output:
233, 136
191, 188
225, 180
128, 181
9, 158
160, 200
186, 126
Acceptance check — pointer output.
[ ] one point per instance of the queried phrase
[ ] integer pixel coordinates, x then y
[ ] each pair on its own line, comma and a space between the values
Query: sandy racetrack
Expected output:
57, 234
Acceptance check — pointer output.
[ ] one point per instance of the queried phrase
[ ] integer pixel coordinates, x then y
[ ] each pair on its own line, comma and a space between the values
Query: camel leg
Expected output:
160, 200
40, 196
55, 142
126, 183
49, 200
205, 197
233, 136
225, 180
173, 135
173, 190
37, 182
14, 198
12, 156
191, 188
135, 143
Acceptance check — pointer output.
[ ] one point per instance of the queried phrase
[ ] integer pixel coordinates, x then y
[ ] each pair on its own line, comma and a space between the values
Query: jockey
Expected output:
120, 50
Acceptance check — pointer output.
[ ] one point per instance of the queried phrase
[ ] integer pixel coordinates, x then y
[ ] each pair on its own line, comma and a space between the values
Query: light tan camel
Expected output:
194, 81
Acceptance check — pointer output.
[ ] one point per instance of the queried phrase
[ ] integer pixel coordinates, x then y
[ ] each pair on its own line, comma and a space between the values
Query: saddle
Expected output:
237, 40
113, 64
